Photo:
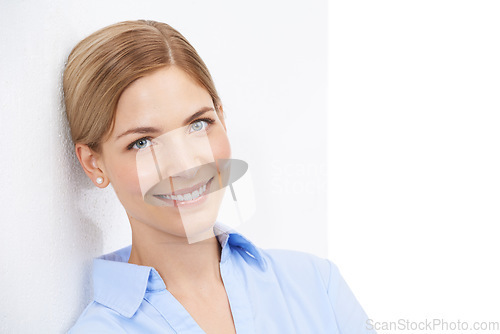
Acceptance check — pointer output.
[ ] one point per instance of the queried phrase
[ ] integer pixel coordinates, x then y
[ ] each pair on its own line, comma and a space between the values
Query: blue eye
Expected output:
198, 126
141, 143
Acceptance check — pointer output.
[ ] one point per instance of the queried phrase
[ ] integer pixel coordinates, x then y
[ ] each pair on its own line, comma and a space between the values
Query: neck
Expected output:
182, 265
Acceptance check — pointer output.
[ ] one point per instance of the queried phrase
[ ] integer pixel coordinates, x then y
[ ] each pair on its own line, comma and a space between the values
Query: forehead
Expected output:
163, 98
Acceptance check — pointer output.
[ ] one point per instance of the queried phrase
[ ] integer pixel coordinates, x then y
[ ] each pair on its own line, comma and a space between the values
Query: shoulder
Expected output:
323, 282
300, 265
97, 318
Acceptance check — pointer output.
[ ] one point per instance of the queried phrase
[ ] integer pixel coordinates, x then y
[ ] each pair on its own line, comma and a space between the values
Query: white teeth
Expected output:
196, 194
189, 196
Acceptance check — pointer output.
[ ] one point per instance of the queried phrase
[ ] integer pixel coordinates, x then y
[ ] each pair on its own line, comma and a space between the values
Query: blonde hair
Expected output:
104, 64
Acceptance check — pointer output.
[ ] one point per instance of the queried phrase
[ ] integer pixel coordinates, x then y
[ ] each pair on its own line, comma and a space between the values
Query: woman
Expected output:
145, 117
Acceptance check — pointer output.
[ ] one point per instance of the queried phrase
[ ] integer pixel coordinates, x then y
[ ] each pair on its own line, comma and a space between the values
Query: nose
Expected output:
180, 156
186, 171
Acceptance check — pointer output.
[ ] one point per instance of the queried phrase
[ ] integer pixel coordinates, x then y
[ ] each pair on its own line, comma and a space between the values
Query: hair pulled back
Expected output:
104, 64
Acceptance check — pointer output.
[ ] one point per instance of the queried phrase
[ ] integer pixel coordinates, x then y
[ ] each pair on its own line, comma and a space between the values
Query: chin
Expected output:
198, 224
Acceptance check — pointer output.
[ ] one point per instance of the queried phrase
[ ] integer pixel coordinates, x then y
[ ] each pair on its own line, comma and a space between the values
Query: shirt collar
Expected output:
239, 243
121, 286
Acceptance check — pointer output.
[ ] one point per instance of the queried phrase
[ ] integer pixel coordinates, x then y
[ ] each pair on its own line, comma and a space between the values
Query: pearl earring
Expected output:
99, 180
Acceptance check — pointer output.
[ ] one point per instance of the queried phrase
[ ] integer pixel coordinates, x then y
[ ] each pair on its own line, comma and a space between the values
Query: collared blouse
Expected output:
269, 291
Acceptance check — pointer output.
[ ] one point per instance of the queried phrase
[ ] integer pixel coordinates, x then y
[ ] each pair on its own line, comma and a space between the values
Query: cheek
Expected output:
124, 179
221, 148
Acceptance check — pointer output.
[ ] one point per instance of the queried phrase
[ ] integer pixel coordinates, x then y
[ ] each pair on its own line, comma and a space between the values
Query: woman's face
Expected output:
166, 139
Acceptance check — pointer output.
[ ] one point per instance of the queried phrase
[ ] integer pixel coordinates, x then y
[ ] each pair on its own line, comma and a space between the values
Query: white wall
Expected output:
414, 157
268, 59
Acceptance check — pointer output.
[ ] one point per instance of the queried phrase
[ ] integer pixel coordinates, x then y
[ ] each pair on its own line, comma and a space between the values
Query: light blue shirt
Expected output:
269, 291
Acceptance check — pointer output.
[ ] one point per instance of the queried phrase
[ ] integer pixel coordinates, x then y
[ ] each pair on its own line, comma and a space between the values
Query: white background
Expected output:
412, 147
268, 60
414, 164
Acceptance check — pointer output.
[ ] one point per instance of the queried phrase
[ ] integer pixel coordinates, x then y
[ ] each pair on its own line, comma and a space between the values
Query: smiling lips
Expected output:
187, 194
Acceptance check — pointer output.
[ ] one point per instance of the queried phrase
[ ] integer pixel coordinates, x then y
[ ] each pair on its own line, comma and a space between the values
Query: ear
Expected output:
220, 113
90, 163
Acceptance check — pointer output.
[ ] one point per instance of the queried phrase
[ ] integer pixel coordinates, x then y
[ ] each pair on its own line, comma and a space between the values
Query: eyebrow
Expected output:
197, 114
141, 129
150, 129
